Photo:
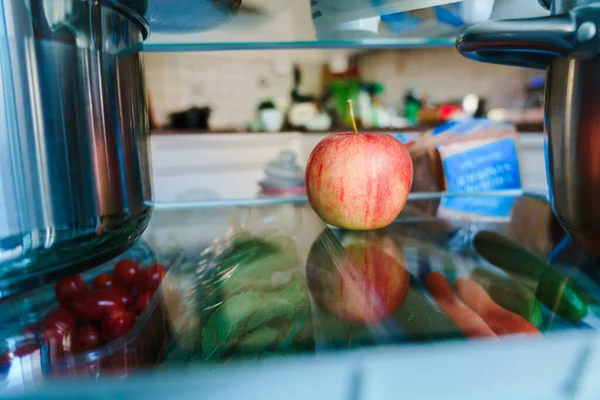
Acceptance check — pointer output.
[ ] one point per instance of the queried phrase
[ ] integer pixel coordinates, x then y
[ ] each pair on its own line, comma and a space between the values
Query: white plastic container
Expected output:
340, 11
475, 11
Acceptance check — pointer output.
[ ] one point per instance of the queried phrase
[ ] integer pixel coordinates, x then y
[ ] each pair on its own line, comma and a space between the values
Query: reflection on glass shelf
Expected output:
264, 24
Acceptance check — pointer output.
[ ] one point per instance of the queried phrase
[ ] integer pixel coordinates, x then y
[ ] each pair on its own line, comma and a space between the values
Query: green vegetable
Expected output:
508, 255
257, 265
510, 295
246, 249
555, 291
261, 339
553, 288
339, 334
284, 338
259, 305
423, 320
246, 312
300, 336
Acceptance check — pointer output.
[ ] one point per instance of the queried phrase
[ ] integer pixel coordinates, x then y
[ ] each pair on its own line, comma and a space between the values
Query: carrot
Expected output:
502, 321
471, 324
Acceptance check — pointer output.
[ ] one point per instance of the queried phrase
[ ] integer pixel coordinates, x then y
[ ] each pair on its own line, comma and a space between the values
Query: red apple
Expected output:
359, 181
361, 282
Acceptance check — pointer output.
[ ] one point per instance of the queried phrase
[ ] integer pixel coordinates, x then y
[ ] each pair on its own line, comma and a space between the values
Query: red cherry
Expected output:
141, 303
127, 298
31, 328
125, 272
57, 340
60, 320
66, 289
86, 338
95, 304
149, 280
116, 323
103, 281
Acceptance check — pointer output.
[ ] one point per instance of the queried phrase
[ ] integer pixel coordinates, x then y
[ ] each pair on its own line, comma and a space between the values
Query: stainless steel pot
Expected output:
75, 179
567, 45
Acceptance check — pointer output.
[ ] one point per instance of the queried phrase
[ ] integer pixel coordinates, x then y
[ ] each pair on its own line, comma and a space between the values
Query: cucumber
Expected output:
421, 319
508, 255
510, 295
554, 290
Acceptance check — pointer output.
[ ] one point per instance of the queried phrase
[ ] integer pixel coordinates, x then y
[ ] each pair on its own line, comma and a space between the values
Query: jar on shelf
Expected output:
283, 177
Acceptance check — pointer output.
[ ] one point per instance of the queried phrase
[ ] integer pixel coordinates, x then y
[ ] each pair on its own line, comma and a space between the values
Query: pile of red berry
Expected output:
88, 317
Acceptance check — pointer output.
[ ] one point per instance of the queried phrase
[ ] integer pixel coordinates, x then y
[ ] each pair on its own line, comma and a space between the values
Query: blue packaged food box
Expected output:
487, 163
481, 166
472, 156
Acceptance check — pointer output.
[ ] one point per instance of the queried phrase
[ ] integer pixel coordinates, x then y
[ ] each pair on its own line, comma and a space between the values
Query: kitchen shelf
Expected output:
296, 24
299, 24
522, 128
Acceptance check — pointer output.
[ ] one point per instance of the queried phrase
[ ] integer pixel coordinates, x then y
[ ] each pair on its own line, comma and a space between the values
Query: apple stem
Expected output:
353, 120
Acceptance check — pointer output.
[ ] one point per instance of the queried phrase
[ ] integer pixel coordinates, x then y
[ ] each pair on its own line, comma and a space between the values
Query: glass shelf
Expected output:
199, 25
269, 266
262, 24
315, 44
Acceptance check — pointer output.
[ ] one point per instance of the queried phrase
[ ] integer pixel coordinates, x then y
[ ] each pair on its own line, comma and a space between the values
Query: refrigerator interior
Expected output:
260, 299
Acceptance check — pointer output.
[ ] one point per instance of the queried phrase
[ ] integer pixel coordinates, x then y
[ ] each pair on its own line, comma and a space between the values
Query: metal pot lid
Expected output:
570, 31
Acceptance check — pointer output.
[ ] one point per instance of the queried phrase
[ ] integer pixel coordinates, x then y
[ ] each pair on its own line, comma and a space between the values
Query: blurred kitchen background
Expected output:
305, 90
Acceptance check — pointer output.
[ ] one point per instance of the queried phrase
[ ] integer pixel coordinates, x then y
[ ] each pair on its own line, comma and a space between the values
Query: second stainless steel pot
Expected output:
74, 159
567, 45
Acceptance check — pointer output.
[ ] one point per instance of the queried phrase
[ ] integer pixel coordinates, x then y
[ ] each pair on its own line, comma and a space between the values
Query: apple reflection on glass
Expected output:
362, 279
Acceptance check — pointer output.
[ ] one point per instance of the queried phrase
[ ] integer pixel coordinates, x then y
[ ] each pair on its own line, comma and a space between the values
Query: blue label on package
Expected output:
491, 167
493, 207
494, 166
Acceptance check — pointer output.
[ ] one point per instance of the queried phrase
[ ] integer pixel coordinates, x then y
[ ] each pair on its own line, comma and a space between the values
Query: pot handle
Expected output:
531, 42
